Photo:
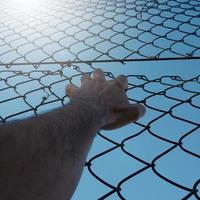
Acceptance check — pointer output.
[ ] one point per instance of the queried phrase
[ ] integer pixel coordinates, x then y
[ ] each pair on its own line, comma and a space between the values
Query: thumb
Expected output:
125, 115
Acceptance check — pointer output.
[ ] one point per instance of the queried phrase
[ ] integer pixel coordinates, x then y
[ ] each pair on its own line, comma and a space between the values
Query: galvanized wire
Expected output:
43, 49
45, 86
97, 30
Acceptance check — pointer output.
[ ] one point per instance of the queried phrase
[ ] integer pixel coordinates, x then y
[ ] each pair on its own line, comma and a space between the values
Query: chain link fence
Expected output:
50, 44
55, 31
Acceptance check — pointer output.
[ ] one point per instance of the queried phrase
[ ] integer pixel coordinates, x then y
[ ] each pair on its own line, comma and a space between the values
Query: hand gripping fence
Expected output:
45, 47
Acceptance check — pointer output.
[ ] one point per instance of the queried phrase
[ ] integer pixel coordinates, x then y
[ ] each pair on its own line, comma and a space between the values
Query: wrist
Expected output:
95, 115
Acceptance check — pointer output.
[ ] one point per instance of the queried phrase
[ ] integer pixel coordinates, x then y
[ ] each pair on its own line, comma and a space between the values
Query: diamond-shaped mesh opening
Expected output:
45, 48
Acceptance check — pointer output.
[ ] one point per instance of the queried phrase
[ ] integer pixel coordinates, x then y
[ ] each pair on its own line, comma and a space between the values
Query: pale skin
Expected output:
42, 158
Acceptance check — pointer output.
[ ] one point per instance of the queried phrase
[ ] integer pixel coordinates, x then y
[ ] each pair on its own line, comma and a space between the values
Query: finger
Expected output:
70, 89
126, 115
136, 111
99, 74
85, 78
122, 81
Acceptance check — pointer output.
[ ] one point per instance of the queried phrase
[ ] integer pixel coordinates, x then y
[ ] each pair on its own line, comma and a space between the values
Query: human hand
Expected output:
107, 97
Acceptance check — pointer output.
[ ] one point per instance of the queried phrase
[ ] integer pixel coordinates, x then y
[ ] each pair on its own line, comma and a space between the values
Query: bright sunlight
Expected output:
24, 5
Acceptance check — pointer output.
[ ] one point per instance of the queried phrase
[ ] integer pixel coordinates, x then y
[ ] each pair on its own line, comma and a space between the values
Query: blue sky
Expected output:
116, 165
31, 35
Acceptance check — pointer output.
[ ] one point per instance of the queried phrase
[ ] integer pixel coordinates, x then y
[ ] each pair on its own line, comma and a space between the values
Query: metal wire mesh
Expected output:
45, 48
97, 30
36, 90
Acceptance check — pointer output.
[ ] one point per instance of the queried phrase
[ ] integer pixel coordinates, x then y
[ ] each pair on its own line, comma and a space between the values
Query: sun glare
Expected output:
25, 4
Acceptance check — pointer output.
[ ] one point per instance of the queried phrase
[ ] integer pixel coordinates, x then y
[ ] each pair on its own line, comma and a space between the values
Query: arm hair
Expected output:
42, 158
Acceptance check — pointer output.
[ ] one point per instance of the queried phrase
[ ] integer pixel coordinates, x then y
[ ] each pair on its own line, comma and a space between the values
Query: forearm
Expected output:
42, 157
55, 141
